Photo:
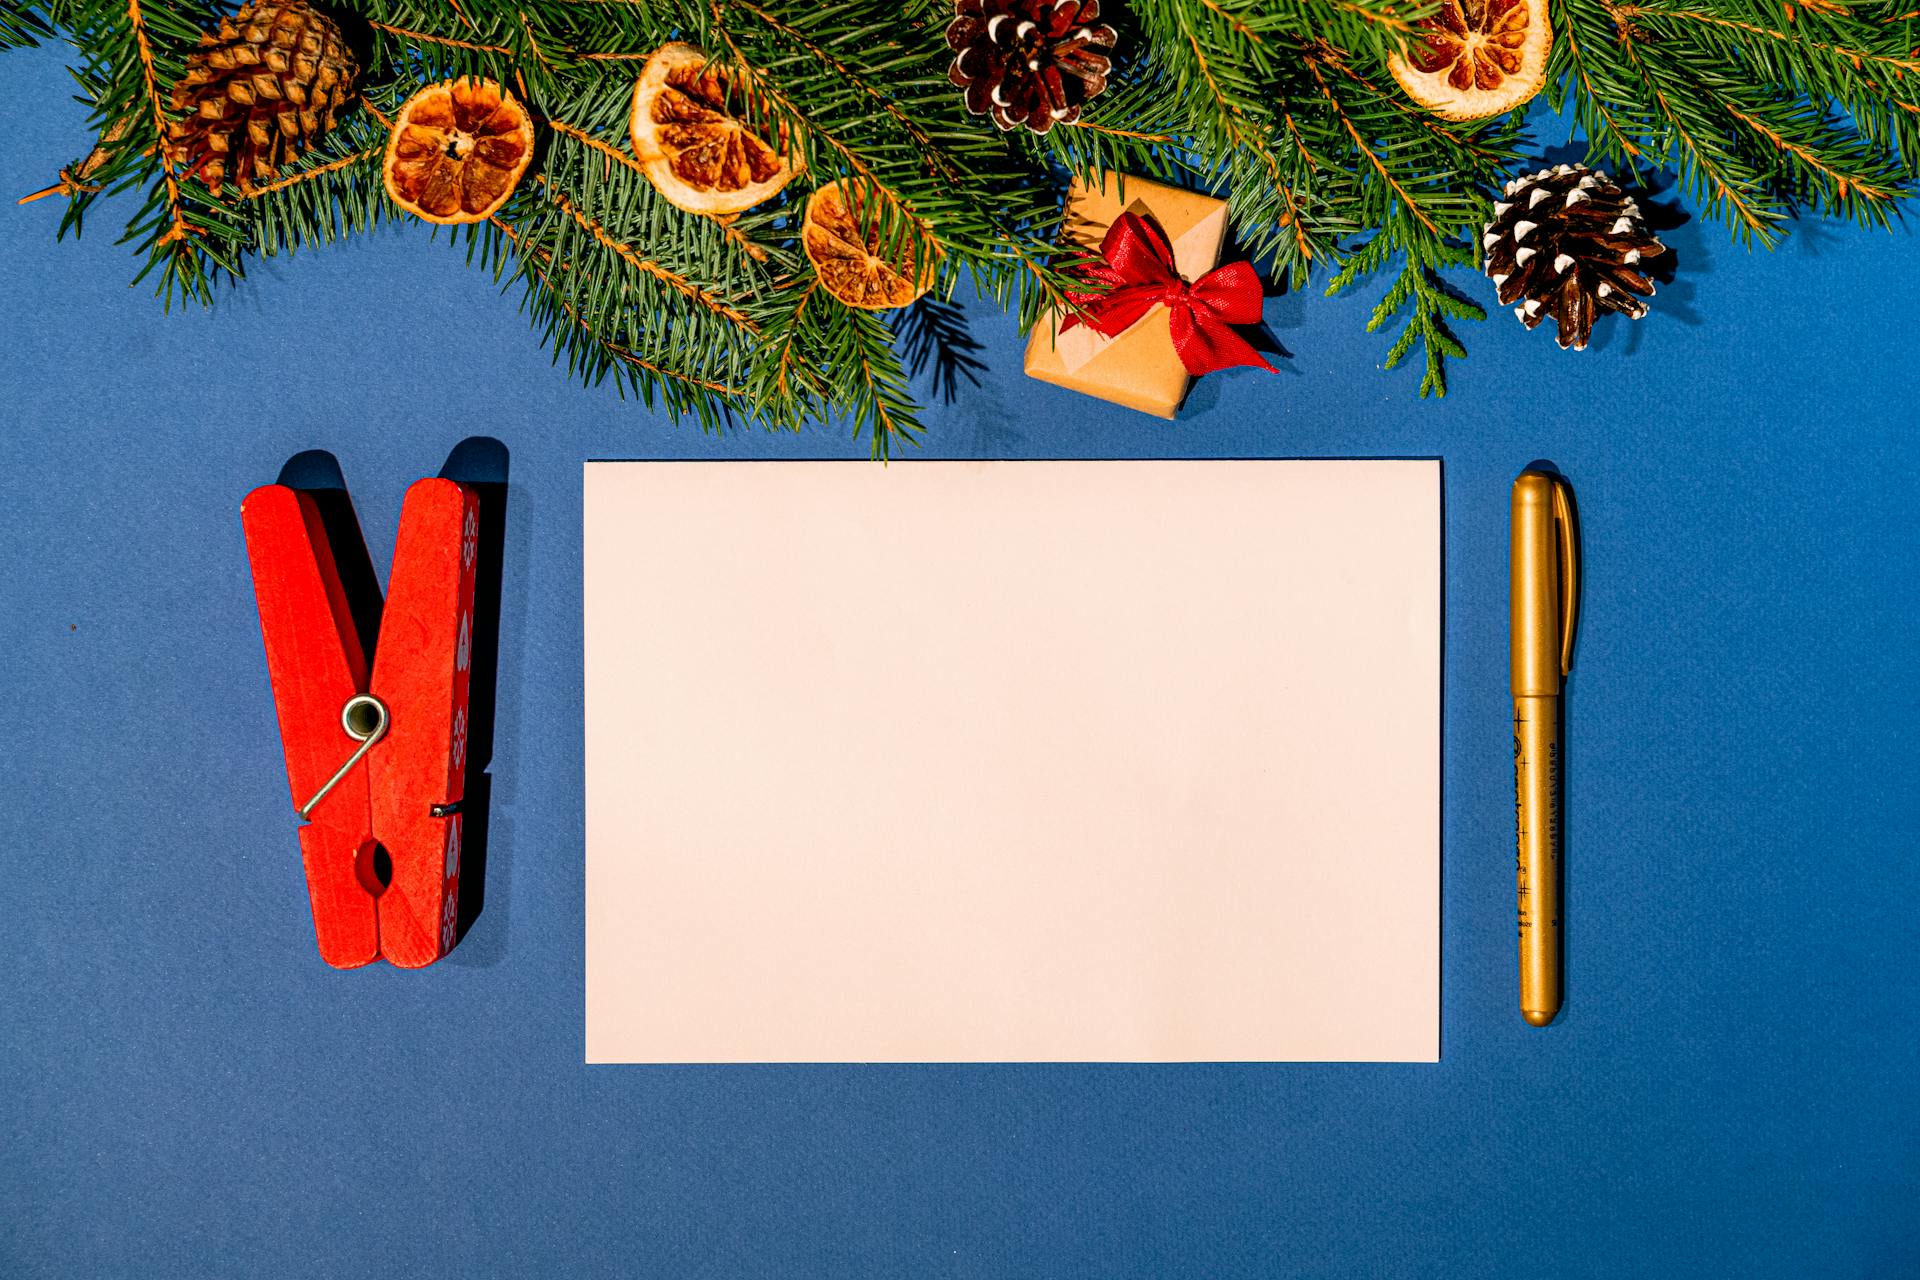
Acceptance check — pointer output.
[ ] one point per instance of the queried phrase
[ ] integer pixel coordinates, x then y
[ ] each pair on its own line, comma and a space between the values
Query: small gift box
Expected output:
1163, 317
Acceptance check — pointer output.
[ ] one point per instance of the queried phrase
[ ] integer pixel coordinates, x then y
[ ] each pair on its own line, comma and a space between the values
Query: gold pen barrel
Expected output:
1536, 780
1544, 590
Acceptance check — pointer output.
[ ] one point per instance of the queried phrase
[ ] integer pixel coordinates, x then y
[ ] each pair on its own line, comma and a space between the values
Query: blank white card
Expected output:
1013, 761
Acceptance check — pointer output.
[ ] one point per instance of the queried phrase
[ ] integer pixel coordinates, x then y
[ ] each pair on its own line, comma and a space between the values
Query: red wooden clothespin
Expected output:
376, 752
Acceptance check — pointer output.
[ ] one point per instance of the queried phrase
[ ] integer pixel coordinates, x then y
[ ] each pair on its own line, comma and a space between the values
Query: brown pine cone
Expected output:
258, 93
1567, 241
1031, 62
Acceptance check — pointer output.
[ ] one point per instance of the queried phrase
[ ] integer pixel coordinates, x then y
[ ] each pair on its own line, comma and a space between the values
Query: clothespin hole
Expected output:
374, 868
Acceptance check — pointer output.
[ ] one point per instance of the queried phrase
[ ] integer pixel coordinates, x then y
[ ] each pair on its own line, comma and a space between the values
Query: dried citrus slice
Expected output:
842, 240
457, 151
693, 149
1476, 58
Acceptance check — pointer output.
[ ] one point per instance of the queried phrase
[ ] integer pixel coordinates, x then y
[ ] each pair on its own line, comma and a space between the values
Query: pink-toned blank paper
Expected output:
1013, 761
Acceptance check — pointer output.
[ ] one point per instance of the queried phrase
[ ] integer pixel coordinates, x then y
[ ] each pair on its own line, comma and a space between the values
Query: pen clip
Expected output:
1566, 537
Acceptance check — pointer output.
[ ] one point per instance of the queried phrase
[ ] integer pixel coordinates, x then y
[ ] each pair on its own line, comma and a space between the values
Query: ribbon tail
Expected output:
1206, 344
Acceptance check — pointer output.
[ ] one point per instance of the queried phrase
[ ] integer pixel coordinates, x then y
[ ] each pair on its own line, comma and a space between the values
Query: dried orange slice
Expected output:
846, 254
693, 149
1476, 58
457, 151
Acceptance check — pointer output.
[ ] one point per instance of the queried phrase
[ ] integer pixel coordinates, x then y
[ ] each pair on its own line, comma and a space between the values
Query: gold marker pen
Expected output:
1545, 591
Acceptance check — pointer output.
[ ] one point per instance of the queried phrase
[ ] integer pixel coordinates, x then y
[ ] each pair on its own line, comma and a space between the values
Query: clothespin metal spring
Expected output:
364, 717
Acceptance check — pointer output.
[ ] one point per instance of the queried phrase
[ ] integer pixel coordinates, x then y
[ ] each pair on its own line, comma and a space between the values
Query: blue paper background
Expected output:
185, 1090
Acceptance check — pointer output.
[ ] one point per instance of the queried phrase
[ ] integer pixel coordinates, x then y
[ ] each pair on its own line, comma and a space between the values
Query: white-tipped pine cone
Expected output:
1567, 242
1029, 62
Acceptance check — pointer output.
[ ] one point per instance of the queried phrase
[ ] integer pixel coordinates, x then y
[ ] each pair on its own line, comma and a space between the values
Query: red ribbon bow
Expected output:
1139, 268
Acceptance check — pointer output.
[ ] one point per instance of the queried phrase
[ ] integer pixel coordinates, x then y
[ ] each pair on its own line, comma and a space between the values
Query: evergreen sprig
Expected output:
21, 24
1764, 109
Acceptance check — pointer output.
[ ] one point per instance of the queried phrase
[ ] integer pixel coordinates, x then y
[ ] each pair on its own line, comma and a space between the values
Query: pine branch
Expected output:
1763, 108
1404, 199
1220, 61
1831, 171
1600, 99
1863, 66
23, 24
1709, 167
133, 51
646, 266
593, 356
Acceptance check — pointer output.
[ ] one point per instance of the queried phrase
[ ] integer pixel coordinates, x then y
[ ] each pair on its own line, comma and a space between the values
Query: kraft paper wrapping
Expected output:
1137, 368
1012, 761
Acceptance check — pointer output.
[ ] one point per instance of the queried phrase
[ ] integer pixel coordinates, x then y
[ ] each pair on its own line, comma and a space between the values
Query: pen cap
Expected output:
1545, 586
